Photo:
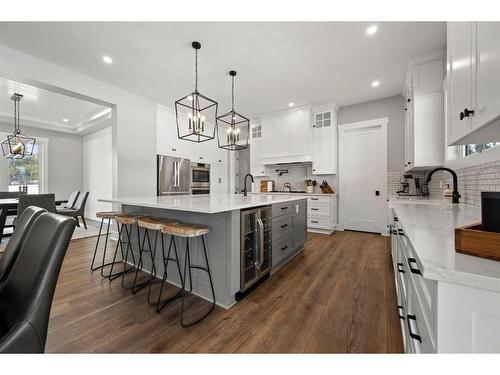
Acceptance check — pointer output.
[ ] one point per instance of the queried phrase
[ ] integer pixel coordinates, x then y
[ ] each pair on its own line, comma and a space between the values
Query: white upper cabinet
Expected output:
256, 166
488, 73
286, 137
325, 141
424, 115
473, 82
459, 68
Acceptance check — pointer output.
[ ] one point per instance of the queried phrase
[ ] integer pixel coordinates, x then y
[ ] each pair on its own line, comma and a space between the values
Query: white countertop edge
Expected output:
435, 272
138, 202
299, 194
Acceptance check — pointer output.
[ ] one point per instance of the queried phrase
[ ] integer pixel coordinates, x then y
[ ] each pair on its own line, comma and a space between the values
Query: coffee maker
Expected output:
410, 186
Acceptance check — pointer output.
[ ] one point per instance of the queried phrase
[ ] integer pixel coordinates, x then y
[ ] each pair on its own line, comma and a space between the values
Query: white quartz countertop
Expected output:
285, 193
209, 204
430, 226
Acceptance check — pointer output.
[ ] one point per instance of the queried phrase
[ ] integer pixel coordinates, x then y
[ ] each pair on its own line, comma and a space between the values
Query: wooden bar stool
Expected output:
188, 231
125, 223
155, 224
104, 215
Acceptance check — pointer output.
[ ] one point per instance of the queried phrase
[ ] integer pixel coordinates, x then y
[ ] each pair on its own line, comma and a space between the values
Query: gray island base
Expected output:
221, 212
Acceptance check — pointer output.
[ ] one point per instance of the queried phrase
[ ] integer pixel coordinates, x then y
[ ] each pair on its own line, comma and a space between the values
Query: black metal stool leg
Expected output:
119, 246
96, 247
161, 304
128, 233
105, 248
141, 250
207, 270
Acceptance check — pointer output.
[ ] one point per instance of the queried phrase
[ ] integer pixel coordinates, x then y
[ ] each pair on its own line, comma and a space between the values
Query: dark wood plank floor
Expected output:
337, 296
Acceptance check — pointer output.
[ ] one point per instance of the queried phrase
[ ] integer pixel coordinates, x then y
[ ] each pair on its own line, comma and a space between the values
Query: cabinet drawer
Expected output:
318, 199
280, 209
282, 248
417, 328
282, 225
319, 222
319, 209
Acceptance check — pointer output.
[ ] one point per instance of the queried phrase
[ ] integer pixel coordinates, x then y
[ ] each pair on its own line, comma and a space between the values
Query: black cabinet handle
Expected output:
284, 225
401, 233
394, 231
413, 335
284, 248
401, 313
174, 149
315, 199
413, 270
314, 209
400, 265
284, 208
314, 221
466, 113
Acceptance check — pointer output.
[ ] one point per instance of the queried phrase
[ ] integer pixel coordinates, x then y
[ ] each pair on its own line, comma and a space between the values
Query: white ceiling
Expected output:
277, 62
46, 109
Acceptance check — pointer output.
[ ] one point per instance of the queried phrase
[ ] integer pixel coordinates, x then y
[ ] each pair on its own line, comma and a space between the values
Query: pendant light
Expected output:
232, 128
17, 145
195, 114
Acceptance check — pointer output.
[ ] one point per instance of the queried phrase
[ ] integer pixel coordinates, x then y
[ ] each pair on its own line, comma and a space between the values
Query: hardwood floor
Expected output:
337, 296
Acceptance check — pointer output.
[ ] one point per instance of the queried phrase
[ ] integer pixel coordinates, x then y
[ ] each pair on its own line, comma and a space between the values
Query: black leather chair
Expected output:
26, 296
71, 200
78, 210
16, 241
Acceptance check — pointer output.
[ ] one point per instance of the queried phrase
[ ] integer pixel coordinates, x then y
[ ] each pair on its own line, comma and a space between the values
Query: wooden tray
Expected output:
472, 240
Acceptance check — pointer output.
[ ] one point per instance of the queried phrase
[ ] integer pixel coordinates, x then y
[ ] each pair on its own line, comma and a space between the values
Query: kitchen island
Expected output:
221, 212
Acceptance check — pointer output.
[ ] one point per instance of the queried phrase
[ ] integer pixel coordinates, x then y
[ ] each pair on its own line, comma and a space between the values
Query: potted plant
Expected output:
310, 184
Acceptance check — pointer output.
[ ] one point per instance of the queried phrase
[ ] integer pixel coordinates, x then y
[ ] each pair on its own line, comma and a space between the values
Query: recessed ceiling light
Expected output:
371, 30
107, 59
65, 120
375, 83
291, 104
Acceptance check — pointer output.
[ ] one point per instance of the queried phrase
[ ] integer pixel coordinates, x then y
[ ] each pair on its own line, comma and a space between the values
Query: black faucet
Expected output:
455, 195
245, 189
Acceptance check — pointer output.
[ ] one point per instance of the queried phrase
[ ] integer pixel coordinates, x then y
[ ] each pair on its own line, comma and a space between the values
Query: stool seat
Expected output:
108, 214
185, 230
127, 219
154, 223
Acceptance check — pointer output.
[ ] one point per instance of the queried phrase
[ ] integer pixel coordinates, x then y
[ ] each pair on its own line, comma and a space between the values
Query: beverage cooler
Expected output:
256, 247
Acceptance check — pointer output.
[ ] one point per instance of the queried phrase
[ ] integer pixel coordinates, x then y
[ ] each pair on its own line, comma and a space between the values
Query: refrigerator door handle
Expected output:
176, 174
261, 242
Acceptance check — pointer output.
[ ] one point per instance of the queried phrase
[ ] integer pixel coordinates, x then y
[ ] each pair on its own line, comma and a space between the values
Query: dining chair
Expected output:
47, 201
72, 199
13, 247
27, 294
10, 213
78, 210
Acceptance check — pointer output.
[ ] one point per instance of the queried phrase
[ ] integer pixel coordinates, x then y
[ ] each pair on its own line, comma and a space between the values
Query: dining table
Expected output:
8, 207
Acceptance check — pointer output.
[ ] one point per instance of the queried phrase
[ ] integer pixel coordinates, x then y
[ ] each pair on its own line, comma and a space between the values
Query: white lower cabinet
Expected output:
321, 213
413, 309
439, 316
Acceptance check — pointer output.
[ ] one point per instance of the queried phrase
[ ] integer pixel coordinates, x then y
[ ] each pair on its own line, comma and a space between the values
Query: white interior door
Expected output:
362, 175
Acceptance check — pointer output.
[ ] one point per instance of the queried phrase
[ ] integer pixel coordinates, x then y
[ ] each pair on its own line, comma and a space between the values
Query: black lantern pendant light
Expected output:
232, 128
17, 145
195, 113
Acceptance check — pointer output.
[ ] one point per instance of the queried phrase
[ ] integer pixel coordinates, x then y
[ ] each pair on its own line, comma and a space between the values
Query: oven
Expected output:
200, 178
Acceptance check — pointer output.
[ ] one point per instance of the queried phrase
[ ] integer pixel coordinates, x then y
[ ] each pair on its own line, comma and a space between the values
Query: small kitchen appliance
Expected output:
410, 186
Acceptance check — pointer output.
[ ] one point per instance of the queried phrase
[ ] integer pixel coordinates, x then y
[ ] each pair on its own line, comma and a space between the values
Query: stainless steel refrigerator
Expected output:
173, 175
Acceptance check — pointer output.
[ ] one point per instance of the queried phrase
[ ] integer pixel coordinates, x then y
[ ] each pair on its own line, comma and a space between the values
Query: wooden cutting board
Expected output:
472, 240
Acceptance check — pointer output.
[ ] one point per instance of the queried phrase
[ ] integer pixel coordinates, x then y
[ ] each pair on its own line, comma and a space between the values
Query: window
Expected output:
24, 173
322, 120
256, 131
472, 149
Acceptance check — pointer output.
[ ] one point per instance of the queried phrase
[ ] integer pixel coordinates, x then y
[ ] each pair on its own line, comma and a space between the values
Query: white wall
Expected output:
64, 160
133, 123
97, 170
391, 107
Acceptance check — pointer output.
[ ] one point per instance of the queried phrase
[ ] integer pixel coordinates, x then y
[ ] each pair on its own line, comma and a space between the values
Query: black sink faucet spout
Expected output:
455, 195
245, 190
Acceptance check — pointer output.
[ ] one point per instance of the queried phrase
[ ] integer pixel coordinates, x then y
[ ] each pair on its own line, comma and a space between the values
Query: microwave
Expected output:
200, 174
